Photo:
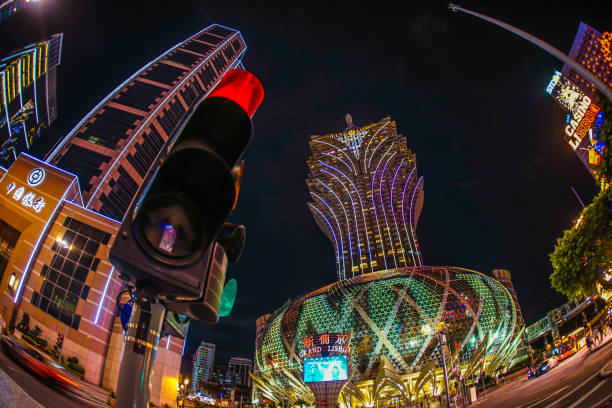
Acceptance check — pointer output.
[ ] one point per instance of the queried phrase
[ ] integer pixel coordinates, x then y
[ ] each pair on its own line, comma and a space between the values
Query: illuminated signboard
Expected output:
27, 198
325, 344
581, 122
331, 368
582, 112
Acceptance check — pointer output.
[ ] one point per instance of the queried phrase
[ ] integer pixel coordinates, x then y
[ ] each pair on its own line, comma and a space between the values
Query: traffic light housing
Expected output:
60, 340
166, 242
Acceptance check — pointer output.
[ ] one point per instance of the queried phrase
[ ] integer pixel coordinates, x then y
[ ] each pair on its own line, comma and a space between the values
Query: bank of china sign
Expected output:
25, 197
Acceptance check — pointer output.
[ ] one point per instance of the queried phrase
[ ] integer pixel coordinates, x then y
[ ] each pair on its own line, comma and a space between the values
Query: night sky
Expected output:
468, 96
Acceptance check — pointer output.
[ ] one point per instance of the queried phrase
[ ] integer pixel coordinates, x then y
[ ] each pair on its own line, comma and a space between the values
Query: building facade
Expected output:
366, 197
28, 101
592, 49
238, 371
203, 363
113, 147
59, 217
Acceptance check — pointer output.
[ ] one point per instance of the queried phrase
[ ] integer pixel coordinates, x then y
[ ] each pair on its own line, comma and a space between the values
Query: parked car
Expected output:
553, 362
36, 363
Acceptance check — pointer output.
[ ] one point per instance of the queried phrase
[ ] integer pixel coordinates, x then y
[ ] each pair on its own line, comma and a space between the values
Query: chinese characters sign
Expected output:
26, 198
325, 344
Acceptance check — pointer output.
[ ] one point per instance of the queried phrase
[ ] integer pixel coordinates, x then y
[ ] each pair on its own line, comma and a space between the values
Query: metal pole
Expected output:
141, 340
442, 344
605, 89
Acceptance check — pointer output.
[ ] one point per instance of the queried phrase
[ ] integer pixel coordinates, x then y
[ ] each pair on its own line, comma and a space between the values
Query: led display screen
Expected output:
332, 368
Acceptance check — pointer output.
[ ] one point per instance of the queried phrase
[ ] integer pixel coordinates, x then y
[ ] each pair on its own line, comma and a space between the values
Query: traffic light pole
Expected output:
141, 340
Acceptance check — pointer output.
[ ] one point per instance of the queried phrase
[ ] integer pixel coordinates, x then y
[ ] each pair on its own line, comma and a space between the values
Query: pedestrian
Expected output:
596, 336
589, 342
601, 333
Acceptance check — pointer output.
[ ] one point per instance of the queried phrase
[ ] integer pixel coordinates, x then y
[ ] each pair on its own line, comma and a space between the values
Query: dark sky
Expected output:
468, 96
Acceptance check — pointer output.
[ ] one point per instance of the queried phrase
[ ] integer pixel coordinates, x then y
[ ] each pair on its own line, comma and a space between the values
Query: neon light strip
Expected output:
362, 211
382, 205
374, 151
404, 217
167, 342
35, 249
337, 158
332, 231
123, 84
354, 214
8, 120
110, 274
152, 115
416, 188
19, 74
393, 212
339, 149
34, 80
339, 230
347, 222
382, 241
368, 146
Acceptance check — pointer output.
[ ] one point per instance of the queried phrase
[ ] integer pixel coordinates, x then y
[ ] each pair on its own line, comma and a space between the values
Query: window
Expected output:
64, 279
8, 239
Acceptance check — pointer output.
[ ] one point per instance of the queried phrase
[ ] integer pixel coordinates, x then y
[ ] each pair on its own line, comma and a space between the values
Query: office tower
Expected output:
593, 50
28, 100
115, 145
366, 197
203, 362
238, 371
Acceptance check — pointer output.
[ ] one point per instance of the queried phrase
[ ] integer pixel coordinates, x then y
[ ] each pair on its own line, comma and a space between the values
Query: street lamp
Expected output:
599, 84
442, 341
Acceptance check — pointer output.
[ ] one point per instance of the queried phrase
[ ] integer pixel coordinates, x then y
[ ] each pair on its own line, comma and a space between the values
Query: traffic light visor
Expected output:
241, 87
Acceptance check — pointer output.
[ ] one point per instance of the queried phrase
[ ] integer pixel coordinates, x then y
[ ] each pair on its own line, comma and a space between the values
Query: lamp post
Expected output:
442, 340
605, 89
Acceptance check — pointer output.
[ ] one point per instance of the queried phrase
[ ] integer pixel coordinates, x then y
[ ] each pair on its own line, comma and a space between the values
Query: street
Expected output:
43, 394
574, 383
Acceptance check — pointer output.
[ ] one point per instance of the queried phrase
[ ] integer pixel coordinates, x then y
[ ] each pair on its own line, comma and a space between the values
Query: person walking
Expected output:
589, 341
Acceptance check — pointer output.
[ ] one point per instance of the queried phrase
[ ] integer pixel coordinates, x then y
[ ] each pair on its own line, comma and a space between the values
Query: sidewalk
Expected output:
11, 395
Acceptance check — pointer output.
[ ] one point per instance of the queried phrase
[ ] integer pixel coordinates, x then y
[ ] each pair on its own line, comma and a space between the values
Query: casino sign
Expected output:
325, 344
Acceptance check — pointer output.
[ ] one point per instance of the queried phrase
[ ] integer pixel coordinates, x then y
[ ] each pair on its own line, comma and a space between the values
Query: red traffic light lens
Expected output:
241, 87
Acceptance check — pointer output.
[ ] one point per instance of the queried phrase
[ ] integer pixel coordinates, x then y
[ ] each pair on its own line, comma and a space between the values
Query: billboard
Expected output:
331, 368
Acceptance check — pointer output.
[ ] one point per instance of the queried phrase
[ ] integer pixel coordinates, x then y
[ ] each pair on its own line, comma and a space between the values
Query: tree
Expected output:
582, 255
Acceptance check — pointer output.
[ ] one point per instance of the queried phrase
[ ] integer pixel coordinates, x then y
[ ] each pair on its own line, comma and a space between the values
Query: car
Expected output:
35, 363
543, 368
553, 362
530, 373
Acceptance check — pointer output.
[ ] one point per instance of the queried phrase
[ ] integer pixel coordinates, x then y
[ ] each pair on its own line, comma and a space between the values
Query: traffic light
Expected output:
167, 240
60, 340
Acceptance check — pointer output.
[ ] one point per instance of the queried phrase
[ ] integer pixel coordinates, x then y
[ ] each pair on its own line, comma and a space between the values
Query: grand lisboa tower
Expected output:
367, 196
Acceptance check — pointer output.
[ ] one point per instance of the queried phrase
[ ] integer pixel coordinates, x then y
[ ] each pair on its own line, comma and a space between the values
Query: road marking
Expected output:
585, 396
539, 400
606, 398
554, 403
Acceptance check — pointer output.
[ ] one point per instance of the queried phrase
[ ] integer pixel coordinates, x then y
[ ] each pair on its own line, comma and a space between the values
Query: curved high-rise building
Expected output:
113, 147
366, 197
59, 218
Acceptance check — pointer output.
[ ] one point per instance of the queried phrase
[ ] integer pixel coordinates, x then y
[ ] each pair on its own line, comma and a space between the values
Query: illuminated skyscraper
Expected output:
238, 371
203, 362
367, 197
114, 146
27, 95
593, 50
